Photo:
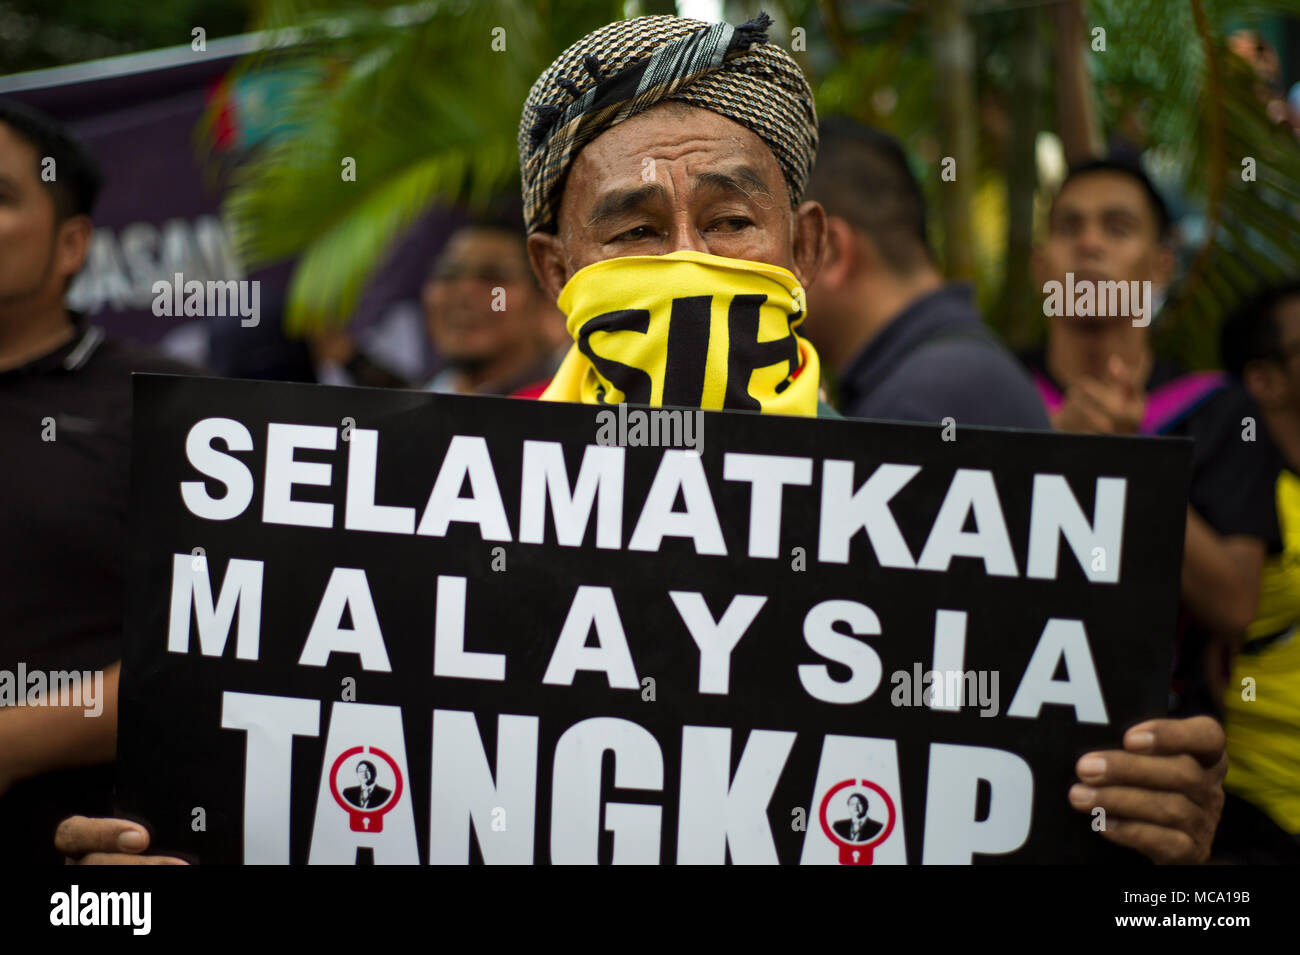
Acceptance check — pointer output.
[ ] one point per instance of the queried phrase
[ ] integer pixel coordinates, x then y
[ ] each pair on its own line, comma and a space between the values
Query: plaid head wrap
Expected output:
623, 69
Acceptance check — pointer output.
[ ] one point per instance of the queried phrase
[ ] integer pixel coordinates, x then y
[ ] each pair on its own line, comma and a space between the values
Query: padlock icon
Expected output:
854, 856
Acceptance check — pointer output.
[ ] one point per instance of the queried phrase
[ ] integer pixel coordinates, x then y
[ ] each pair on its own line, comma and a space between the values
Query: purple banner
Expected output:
159, 215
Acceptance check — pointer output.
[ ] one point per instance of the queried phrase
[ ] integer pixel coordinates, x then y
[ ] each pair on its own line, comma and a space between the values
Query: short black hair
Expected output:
862, 176
78, 178
503, 211
1133, 170
861, 798
1250, 332
370, 766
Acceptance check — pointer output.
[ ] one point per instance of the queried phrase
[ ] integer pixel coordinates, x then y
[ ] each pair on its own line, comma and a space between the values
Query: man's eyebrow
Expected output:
742, 179
622, 201
8, 182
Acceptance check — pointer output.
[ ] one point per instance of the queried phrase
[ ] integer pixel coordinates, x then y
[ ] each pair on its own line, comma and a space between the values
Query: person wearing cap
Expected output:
663, 163
65, 405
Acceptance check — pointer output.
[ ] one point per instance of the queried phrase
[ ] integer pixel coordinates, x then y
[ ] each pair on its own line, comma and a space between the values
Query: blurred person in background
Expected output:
65, 406
486, 318
1251, 46
1098, 374
1261, 822
905, 344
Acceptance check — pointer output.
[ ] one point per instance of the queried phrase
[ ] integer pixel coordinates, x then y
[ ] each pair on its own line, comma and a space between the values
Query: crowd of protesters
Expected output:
897, 342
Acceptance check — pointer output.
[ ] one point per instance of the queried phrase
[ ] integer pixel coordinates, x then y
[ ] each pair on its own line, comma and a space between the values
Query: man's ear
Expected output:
808, 241
546, 255
843, 255
73, 241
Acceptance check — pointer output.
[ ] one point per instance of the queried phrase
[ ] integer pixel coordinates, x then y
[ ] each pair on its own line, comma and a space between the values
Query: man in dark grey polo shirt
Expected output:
65, 423
905, 345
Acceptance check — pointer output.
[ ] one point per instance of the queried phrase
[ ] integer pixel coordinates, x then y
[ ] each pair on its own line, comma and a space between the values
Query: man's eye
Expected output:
731, 224
636, 234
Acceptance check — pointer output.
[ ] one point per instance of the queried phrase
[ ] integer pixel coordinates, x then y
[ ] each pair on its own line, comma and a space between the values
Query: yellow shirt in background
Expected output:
1264, 732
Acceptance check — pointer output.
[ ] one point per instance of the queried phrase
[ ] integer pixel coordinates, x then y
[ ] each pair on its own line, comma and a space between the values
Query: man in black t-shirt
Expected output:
1097, 374
65, 407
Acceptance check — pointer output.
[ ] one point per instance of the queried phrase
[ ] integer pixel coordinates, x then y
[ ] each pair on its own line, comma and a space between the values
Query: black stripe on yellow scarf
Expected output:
687, 329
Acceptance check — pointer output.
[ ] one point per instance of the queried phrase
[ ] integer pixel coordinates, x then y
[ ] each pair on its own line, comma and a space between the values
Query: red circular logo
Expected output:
856, 852
356, 800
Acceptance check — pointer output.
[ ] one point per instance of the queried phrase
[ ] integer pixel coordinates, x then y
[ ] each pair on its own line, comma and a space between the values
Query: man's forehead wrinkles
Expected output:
678, 151
664, 142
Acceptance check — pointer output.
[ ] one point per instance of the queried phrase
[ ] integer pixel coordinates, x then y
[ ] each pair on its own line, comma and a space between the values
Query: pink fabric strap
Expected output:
1051, 396
1168, 403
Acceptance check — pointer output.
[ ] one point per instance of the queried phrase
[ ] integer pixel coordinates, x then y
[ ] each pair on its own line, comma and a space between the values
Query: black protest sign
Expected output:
397, 627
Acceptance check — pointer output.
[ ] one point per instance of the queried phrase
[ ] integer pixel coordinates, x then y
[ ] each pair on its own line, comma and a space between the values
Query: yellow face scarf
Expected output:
687, 329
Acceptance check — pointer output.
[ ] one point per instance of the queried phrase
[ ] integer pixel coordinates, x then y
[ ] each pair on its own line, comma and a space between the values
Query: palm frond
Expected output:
427, 111
1196, 106
417, 97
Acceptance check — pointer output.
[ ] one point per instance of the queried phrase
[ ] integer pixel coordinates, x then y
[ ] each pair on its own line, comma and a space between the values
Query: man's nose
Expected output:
685, 237
1091, 242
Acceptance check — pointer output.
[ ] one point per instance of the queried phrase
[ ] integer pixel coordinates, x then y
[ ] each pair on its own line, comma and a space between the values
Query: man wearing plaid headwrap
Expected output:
662, 137
627, 67
674, 153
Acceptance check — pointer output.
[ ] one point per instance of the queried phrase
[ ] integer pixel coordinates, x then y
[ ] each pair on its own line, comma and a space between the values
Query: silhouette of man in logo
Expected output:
368, 795
858, 827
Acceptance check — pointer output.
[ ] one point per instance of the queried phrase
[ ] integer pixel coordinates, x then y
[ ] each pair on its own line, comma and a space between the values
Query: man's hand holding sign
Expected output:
1162, 793
796, 617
